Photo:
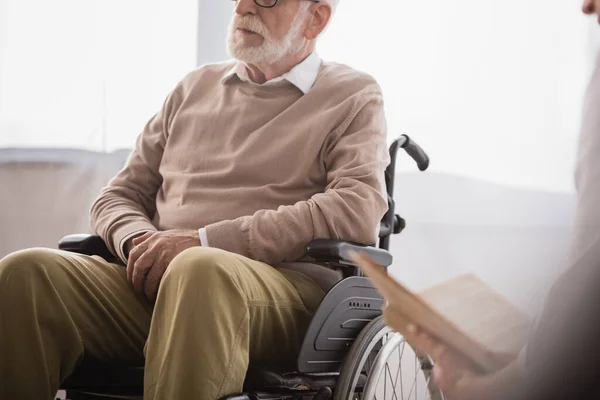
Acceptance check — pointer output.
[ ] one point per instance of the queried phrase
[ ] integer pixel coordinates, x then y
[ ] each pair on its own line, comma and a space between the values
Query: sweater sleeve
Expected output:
127, 204
350, 208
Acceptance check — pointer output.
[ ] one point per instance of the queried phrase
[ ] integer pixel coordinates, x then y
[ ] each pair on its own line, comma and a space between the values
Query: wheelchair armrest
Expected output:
337, 251
90, 245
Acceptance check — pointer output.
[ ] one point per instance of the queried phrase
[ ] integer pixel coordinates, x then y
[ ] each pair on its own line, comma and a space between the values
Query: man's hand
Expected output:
152, 253
457, 377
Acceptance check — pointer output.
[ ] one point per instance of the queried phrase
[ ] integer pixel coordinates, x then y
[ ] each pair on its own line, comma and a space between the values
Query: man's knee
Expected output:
201, 267
25, 265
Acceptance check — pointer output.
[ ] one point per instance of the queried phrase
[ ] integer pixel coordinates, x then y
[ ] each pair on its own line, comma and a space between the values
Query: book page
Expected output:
480, 312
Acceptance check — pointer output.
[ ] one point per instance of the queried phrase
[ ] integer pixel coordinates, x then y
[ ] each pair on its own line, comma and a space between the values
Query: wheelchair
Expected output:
348, 352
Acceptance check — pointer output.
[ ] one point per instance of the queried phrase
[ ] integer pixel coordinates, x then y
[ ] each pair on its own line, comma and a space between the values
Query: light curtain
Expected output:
89, 74
491, 89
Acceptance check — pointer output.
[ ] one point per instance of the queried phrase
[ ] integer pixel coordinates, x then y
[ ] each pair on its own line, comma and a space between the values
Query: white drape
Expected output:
492, 89
89, 74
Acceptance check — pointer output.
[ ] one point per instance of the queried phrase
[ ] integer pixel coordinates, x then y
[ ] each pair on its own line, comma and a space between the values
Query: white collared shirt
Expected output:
303, 75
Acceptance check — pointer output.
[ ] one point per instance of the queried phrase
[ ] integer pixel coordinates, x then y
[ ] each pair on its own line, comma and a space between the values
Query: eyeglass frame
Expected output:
274, 4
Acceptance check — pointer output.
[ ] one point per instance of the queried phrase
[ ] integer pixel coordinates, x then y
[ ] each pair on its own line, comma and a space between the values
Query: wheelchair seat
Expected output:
93, 376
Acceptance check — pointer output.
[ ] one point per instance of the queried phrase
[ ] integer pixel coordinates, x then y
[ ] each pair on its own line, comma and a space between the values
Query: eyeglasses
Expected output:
270, 3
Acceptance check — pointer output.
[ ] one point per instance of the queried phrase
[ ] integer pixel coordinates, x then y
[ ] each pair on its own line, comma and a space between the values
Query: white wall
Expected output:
516, 240
491, 88
213, 19
89, 74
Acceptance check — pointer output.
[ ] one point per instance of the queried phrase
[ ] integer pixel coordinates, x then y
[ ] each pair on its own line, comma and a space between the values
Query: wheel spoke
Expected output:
389, 373
414, 384
417, 364
402, 351
400, 368
385, 385
399, 372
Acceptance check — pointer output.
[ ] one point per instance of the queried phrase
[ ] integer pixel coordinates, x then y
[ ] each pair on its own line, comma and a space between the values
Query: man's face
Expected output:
266, 35
592, 7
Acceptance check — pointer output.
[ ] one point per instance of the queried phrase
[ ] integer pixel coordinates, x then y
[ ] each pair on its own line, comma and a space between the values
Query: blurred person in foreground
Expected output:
247, 162
562, 358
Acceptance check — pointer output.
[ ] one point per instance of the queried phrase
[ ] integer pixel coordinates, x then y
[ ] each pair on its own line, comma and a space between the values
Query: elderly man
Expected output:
562, 359
244, 165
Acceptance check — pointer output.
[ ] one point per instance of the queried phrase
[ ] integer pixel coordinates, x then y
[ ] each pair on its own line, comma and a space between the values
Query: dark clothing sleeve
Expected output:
563, 354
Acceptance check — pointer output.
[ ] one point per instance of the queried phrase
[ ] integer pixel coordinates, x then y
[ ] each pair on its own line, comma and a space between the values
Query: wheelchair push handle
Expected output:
415, 151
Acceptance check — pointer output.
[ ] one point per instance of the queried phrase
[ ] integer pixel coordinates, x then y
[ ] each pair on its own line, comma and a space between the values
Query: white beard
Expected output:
271, 50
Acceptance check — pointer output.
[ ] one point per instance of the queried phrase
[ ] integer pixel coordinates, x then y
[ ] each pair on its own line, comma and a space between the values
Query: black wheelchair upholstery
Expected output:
344, 311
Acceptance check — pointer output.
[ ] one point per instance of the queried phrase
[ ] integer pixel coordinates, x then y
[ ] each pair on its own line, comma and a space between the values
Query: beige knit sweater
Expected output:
264, 168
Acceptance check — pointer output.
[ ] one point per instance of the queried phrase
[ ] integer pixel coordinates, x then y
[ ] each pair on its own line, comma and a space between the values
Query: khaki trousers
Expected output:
215, 311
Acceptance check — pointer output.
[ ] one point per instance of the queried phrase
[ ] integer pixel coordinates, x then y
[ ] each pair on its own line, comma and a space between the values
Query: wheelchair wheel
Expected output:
393, 371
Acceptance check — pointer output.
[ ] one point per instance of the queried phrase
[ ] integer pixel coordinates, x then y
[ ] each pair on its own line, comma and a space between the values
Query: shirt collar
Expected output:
303, 75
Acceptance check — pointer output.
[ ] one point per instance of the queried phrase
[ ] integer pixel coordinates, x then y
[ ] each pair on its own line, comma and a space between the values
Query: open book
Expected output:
464, 313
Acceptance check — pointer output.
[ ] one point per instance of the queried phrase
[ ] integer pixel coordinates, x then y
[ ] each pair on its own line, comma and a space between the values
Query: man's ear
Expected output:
320, 16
